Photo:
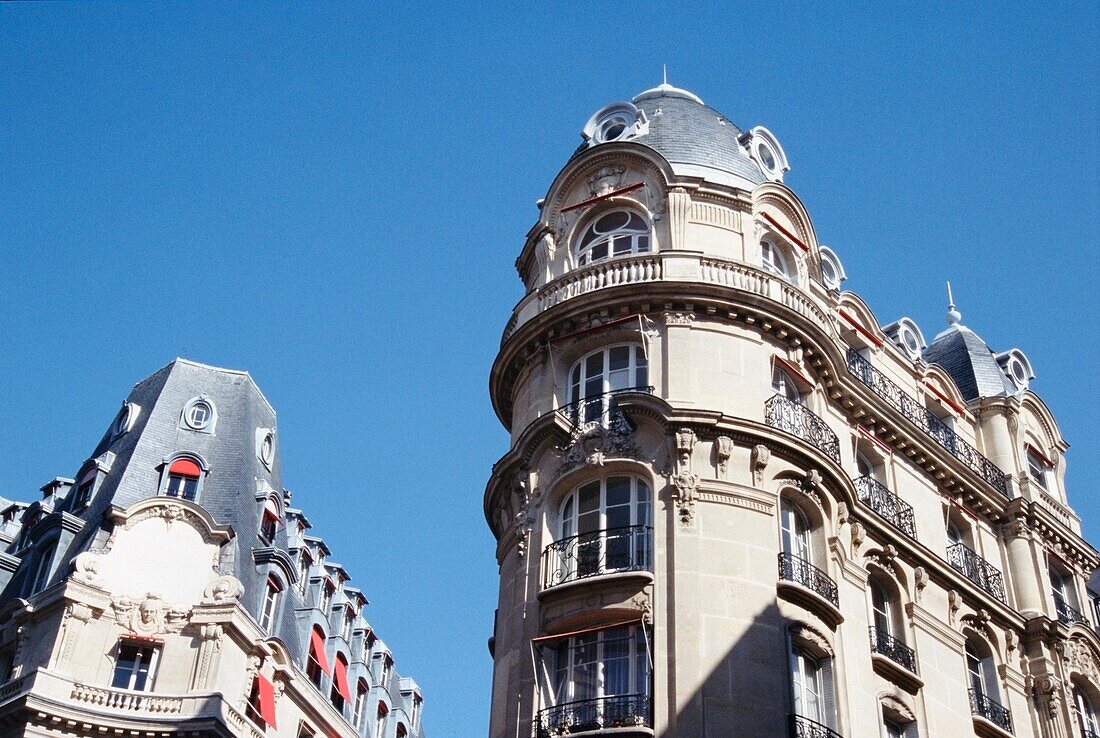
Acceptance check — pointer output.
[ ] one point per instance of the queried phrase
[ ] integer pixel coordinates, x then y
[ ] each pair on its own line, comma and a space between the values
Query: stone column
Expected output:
1025, 574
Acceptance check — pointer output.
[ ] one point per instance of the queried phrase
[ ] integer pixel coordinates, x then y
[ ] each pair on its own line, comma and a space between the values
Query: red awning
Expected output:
267, 699
185, 468
341, 679
317, 645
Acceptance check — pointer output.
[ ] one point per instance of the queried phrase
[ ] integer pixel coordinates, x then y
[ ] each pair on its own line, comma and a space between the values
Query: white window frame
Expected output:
795, 531
1086, 713
272, 593
153, 660
598, 536
582, 666
43, 567
981, 673
784, 385
589, 385
637, 240
807, 685
774, 260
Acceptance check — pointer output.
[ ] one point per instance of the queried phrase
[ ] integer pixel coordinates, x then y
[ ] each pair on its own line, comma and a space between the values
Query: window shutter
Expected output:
267, 699
829, 697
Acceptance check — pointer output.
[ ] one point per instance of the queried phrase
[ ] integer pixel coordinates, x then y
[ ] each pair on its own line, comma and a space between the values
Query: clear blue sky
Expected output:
332, 197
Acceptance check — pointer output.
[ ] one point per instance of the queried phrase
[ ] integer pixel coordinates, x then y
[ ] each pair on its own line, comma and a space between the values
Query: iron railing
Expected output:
887, 645
629, 548
926, 420
602, 409
889, 506
1087, 731
979, 571
800, 571
984, 706
1067, 614
619, 711
790, 417
803, 727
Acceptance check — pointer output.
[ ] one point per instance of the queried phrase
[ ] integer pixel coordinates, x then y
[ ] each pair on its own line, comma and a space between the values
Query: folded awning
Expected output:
317, 645
266, 692
341, 679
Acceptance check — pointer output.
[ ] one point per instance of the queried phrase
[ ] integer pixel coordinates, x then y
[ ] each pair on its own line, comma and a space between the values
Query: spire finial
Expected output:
953, 315
664, 73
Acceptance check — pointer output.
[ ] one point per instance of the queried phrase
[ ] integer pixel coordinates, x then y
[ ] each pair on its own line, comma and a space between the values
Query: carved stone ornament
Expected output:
679, 318
86, 567
685, 444
606, 180
842, 512
920, 578
953, 605
979, 620
885, 557
1047, 689
813, 638
544, 252
149, 616
642, 603
593, 443
523, 516
1077, 656
223, 589
685, 485
859, 535
761, 455
723, 449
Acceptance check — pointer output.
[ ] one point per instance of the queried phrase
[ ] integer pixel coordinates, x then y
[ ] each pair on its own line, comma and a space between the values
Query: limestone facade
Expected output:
735, 504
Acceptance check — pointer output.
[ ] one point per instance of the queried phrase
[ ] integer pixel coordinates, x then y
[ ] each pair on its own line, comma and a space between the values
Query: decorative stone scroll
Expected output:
221, 590
150, 616
685, 484
723, 449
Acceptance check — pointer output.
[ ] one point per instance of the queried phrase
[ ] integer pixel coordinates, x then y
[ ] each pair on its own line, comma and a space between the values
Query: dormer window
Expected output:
269, 523
199, 415
84, 489
183, 479
1038, 469
832, 271
617, 233
774, 260
614, 123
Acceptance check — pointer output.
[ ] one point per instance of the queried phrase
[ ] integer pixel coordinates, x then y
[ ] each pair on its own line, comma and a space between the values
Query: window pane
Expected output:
619, 357
618, 491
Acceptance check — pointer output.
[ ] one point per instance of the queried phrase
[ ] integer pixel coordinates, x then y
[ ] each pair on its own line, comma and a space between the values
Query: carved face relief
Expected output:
605, 180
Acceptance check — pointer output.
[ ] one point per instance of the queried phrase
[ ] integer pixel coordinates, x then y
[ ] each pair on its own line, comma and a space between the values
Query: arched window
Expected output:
317, 663
981, 671
402, 732
1086, 714
269, 521
600, 373
596, 675
784, 386
615, 233
360, 712
43, 567
808, 685
794, 531
341, 690
1038, 469
604, 527
183, 479
380, 720
775, 260
883, 608
887, 629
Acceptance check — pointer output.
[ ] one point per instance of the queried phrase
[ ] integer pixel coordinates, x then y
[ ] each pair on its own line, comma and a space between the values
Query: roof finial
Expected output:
953, 315
664, 73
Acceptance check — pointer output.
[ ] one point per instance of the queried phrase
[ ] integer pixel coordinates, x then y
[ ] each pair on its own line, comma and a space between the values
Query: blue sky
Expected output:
332, 197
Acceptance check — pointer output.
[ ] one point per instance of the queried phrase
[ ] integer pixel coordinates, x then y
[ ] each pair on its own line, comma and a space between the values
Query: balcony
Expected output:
608, 551
790, 417
979, 571
803, 727
601, 713
808, 576
602, 409
926, 421
887, 645
887, 505
989, 709
1067, 614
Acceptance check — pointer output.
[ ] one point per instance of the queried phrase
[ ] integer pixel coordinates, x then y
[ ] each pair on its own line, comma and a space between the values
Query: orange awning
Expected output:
341, 679
317, 645
267, 699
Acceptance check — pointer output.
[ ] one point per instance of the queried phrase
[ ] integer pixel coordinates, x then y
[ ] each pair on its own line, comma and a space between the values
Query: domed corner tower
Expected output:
676, 329
734, 505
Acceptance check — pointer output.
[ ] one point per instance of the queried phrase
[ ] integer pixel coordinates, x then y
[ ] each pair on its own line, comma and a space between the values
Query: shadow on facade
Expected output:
745, 693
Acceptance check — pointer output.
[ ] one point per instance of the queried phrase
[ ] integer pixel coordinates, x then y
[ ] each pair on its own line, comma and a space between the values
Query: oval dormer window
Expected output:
612, 128
617, 233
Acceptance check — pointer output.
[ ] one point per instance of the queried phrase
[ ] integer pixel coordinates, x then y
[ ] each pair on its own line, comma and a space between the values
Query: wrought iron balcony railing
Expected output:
889, 506
602, 409
988, 708
600, 552
803, 727
1067, 614
800, 571
790, 417
979, 571
887, 645
601, 713
1087, 731
926, 420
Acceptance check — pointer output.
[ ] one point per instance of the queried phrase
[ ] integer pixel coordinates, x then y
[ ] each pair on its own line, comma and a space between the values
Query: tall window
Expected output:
981, 671
380, 720
387, 670
304, 564
1086, 714
883, 609
270, 604
341, 690
864, 467
42, 568
617, 233
135, 668
894, 729
253, 709
360, 711
784, 386
316, 662
84, 489
402, 732
610, 666
808, 685
794, 531
349, 621
608, 370
1038, 470
325, 602
269, 522
610, 519
183, 479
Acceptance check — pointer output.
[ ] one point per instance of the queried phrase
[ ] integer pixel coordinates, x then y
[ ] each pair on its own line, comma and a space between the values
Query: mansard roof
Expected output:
971, 363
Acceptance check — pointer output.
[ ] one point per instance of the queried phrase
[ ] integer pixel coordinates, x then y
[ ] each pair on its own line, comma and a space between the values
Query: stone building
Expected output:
170, 587
736, 504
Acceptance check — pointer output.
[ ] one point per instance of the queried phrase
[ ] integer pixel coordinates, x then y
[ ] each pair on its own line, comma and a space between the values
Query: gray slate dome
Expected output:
695, 138
968, 359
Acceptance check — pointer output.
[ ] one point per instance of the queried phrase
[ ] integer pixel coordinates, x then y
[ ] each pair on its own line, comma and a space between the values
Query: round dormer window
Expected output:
1017, 372
267, 449
910, 340
612, 128
828, 273
766, 157
199, 414
125, 419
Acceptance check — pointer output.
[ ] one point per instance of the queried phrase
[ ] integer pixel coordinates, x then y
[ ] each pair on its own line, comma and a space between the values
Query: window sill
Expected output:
617, 577
627, 731
988, 729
